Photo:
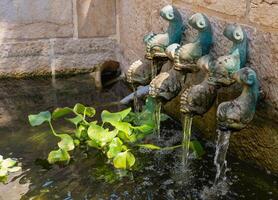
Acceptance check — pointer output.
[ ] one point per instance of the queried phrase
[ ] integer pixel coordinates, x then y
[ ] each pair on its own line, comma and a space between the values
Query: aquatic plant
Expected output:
7, 166
115, 136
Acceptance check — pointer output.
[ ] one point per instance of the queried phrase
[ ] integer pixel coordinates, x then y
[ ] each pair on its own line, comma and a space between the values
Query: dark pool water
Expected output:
157, 175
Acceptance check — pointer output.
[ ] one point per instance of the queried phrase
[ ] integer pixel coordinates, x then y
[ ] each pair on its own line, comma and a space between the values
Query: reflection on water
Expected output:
157, 175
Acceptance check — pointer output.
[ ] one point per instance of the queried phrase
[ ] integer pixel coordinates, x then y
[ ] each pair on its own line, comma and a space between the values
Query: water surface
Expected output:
157, 175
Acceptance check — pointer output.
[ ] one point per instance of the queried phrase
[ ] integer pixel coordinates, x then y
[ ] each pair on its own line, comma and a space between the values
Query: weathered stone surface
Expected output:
235, 7
264, 12
29, 19
96, 18
82, 54
65, 55
138, 18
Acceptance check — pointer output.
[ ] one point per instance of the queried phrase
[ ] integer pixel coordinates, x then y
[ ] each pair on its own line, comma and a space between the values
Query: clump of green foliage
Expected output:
7, 166
113, 136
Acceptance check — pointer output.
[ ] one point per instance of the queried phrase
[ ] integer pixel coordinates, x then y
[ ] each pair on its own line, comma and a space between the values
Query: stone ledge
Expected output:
32, 58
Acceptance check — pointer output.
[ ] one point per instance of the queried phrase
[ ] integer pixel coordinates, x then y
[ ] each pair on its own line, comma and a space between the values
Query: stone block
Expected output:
264, 13
96, 18
29, 19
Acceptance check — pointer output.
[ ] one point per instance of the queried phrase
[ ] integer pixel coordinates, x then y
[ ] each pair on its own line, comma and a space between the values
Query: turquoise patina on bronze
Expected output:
187, 55
198, 99
156, 45
236, 114
167, 85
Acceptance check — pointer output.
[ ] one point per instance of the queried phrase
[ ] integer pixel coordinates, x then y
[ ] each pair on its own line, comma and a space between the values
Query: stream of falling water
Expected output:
157, 117
220, 155
186, 139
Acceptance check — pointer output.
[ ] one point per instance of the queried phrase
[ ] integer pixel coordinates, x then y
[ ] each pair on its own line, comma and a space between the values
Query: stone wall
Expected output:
258, 144
65, 35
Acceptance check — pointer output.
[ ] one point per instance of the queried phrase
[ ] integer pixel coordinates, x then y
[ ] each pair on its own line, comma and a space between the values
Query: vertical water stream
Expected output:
186, 138
157, 116
220, 162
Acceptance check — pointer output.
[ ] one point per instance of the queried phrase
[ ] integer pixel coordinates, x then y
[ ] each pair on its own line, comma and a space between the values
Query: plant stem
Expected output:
52, 129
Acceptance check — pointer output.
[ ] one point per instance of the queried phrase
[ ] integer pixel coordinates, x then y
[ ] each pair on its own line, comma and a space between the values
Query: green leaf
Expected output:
107, 116
115, 147
66, 142
146, 128
197, 148
90, 111
123, 126
101, 135
124, 160
92, 143
76, 120
14, 169
8, 163
58, 156
81, 109
60, 112
36, 120
81, 132
3, 172
149, 146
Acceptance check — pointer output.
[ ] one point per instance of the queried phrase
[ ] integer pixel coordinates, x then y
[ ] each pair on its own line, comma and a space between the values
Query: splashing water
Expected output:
220, 155
186, 139
157, 117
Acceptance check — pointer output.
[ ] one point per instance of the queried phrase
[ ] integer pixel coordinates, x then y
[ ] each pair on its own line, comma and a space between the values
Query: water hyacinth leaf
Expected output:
90, 111
92, 143
3, 172
122, 126
81, 131
36, 120
76, 120
60, 112
149, 146
197, 148
8, 163
107, 116
79, 108
83, 110
146, 128
14, 169
58, 156
124, 160
66, 142
101, 135
115, 147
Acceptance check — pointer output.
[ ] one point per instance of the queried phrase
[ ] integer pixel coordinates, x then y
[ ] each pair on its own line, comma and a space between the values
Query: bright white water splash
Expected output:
220, 155
157, 117
53, 69
186, 139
